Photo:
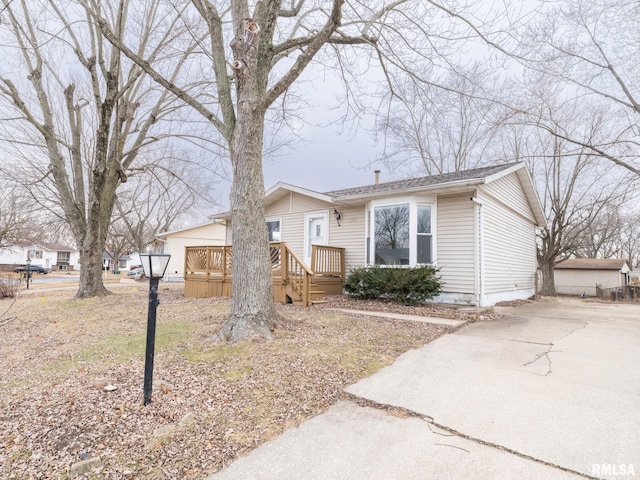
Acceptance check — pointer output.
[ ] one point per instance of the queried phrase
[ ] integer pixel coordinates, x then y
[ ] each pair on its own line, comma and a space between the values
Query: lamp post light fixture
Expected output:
28, 262
154, 265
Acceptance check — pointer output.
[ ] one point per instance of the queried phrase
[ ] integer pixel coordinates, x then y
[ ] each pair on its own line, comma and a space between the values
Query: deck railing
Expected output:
327, 261
209, 261
208, 270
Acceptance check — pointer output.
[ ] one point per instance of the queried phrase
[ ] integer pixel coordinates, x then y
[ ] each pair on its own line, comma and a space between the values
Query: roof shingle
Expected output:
399, 185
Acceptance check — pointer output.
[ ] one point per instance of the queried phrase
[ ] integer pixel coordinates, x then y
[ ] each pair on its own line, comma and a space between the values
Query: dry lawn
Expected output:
211, 402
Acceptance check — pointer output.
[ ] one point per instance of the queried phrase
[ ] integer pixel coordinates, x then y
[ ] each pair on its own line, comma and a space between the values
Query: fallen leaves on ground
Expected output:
71, 387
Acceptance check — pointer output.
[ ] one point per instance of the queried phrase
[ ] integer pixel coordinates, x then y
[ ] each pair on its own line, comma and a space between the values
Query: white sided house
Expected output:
581, 276
55, 256
477, 226
174, 243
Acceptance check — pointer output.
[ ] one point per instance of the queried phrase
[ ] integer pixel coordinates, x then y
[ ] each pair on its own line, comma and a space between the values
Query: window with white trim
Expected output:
424, 240
273, 230
400, 234
391, 234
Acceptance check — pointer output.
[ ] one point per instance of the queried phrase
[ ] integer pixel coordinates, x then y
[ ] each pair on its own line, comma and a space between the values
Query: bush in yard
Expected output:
403, 285
8, 287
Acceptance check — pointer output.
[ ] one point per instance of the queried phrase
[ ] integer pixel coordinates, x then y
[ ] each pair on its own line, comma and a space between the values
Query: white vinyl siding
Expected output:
456, 243
228, 233
509, 243
279, 207
291, 209
176, 243
578, 281
349, 235
508, 191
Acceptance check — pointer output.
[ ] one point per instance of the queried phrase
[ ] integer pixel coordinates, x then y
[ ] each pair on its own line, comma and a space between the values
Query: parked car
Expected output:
136, 271
33, 269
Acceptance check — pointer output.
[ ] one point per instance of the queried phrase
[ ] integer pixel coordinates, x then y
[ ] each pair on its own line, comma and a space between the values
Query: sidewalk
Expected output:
548, 392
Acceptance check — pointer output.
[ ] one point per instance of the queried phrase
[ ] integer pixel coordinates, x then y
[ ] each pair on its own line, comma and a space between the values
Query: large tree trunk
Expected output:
252, 311
91, 248
91, 283
548, 280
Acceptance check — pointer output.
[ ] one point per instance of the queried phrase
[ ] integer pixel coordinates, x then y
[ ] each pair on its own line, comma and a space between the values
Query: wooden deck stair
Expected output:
316, 296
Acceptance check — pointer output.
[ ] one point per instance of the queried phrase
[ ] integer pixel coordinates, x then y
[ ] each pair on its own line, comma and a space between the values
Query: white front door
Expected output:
315, 232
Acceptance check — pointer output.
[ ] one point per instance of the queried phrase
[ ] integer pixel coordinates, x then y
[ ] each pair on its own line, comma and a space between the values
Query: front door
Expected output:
315, 233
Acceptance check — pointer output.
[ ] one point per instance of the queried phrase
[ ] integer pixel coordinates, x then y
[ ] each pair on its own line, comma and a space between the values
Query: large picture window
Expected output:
392, 235
402, 234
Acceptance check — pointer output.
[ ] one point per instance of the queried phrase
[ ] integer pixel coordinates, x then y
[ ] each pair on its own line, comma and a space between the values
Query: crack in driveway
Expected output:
551, 350
429, 420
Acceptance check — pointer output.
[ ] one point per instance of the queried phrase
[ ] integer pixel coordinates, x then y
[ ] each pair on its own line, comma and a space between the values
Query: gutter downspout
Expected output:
480, 301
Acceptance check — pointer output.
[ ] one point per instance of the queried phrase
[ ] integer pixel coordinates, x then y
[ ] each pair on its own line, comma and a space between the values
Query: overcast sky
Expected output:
330, 160
335, 155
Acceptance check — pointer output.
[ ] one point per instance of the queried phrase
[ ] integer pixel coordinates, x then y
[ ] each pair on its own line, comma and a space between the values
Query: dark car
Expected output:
33, 269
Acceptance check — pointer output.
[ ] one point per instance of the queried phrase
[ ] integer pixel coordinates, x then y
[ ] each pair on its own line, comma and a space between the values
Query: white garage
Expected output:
577, 276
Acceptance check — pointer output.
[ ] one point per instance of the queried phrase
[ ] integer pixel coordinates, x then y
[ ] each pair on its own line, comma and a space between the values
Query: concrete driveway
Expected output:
550, 391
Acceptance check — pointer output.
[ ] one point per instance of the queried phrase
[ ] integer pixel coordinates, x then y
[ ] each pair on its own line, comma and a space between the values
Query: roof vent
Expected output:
377, 172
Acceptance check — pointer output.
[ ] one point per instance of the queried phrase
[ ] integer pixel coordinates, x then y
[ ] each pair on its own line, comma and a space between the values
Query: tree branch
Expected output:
333, 22
158, 78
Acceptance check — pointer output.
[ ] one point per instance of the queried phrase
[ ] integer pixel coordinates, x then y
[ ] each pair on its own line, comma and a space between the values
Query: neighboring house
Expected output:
124, 262
49, 255
174, 242
477, 226
578, 276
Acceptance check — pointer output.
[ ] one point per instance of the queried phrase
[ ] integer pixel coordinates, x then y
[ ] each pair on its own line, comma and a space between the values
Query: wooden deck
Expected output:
208, 273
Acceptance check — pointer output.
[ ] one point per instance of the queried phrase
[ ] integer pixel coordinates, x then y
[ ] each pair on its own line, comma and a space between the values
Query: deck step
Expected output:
318, 302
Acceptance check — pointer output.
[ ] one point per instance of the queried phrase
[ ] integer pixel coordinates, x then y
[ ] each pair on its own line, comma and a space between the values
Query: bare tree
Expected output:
117, 243
603, 239
17, 226
155, 201
445, 125
78, 113
630, 238
591, 48
576, 187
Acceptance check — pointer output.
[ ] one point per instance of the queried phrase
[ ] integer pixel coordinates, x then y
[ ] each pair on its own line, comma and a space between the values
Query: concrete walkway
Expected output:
550, 391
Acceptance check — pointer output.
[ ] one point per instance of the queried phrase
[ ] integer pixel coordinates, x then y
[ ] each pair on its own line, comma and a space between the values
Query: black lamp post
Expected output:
154, 266
28, 271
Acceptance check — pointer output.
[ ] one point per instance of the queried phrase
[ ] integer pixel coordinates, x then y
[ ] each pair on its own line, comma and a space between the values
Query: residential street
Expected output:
549, 391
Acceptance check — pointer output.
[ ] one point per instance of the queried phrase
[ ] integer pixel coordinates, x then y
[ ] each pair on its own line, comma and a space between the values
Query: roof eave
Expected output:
280, 189
171, 232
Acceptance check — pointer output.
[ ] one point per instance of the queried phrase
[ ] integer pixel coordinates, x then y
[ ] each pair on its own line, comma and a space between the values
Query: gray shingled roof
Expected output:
399, 185
591, 264
57, 247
